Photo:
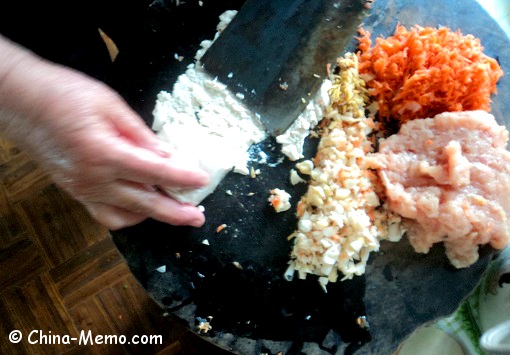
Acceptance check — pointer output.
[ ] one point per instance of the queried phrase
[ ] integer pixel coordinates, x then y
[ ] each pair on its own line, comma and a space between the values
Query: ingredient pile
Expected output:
444, 177
407, 145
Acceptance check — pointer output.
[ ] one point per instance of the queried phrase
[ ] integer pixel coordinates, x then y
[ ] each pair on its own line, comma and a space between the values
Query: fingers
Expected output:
133, 128
139, 165
141, 201
113, 217
137, 144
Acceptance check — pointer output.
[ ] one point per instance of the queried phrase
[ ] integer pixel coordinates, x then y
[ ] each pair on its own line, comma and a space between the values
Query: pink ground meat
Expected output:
449, 177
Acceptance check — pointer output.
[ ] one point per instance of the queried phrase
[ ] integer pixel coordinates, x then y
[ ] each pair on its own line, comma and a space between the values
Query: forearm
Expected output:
29, 86
37, 101
18, 101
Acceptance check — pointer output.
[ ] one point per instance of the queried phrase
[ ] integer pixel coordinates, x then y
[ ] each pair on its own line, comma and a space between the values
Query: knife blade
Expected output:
273, 55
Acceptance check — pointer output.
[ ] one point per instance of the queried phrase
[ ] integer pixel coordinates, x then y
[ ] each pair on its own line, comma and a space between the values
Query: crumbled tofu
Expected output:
295, 178
263, 157
223, 129
293, 139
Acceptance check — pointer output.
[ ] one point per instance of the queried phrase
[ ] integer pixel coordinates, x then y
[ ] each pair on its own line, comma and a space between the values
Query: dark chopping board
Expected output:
254, 310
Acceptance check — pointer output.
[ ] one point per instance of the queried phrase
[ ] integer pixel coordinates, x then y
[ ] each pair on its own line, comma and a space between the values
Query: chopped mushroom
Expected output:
341, 219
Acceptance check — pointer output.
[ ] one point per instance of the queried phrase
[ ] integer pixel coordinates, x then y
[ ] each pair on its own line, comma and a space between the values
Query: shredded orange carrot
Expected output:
276, 201
301, 208
220, 228
421, 72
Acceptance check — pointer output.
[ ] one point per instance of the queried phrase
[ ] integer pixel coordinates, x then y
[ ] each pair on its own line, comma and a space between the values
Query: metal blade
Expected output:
275, 53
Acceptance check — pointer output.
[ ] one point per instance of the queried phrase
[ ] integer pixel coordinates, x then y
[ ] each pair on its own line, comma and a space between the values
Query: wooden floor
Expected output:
61, 274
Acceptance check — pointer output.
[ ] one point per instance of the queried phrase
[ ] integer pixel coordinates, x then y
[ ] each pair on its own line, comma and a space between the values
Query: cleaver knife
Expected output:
274, 53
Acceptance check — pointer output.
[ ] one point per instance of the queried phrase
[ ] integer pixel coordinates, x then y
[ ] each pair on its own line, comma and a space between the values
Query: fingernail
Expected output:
196, 218
197, 222
203, 178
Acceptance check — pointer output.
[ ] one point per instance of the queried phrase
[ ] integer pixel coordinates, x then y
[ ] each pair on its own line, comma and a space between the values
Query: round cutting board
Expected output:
237, 277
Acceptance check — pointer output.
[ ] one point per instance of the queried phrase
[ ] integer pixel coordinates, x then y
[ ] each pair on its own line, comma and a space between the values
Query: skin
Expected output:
91, 143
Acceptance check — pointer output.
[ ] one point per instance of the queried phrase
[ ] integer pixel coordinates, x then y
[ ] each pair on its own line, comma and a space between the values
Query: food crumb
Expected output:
284, 86
237, 265
263, 158
201, 208
205, 242
221, 227
253, 174
279, 199
204, 326
250, 194
180, 58
305, 167
228, 192
362, 322
177, 255
295, 178
112, 48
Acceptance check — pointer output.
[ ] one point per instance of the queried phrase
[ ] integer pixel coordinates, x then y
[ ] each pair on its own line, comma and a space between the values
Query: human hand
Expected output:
96, 148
